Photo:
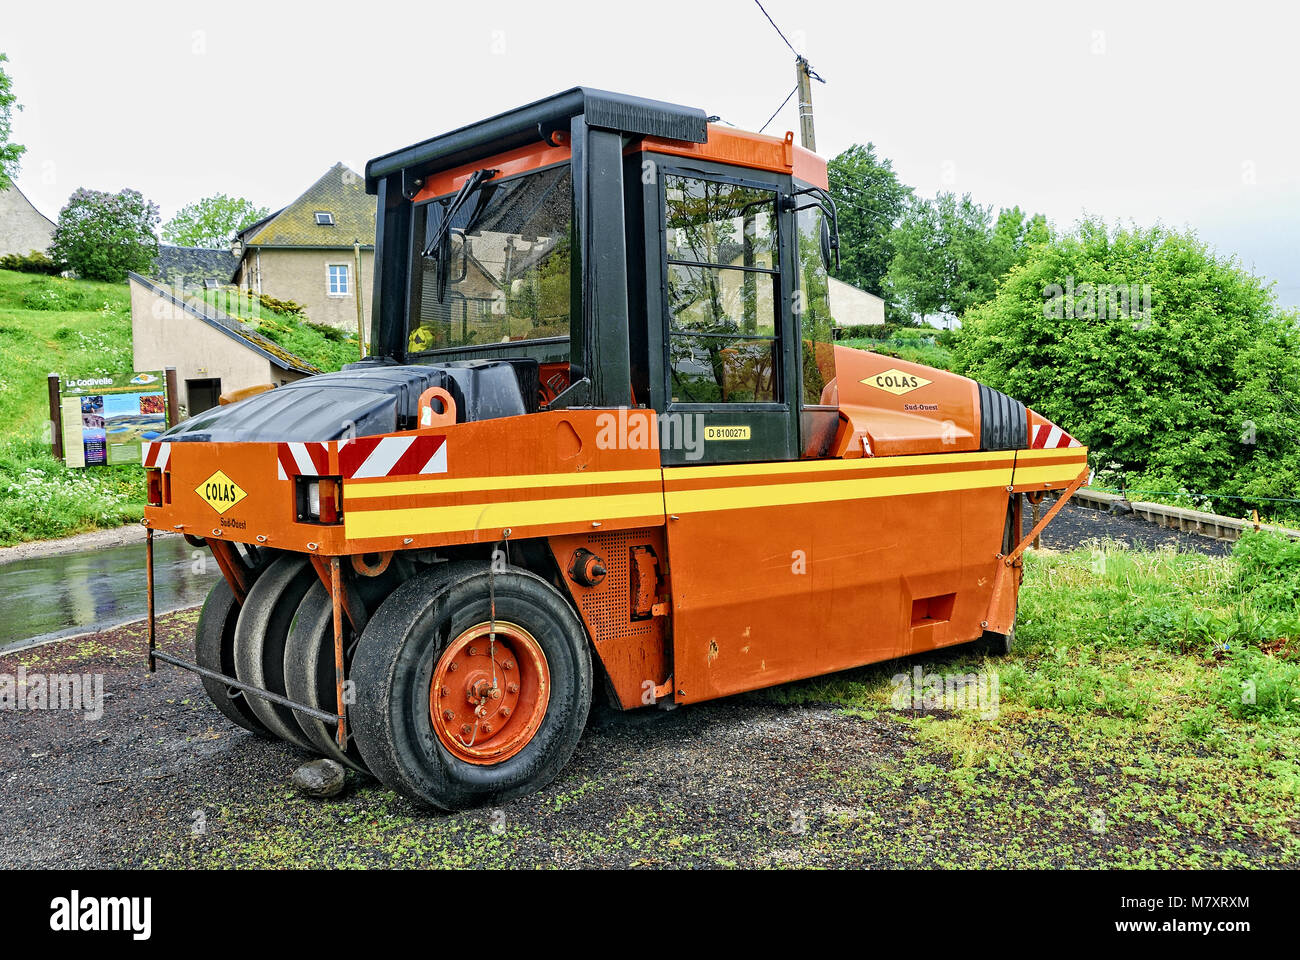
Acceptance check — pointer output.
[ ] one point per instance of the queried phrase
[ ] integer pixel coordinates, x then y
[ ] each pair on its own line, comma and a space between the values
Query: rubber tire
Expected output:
260, 636
393, 668
309, 664
214, 648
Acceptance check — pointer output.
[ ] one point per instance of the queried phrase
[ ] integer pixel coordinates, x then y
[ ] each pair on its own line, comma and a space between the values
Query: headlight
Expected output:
318, 499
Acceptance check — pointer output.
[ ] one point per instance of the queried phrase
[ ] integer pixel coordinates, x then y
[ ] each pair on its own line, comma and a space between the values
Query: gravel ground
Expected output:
759, 780
1077, 526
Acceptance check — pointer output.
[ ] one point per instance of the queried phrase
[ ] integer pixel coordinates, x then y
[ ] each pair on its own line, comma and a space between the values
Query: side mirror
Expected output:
830, 226
828, 244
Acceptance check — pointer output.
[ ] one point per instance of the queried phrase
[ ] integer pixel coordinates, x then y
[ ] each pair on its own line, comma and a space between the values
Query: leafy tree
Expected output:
10, 153
870, 200
211, 222
103, 235
1160, 356
949, 253
1013, 233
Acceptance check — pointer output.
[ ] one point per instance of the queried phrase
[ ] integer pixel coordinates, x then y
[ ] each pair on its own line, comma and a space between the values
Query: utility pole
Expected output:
356, 290
804, 78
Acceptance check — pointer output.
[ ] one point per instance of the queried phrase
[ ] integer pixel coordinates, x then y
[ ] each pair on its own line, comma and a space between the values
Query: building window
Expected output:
338, 283
324, 218
724, 291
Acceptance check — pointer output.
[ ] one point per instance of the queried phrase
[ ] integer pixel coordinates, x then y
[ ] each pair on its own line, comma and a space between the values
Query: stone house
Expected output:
213, 353
306, 252
23, 228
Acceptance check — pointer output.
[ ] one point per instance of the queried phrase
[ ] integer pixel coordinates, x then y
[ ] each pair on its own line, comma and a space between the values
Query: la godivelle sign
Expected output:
107, 418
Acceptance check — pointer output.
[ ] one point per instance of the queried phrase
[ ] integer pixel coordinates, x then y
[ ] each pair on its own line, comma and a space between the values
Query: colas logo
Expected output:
895, 381
220, 492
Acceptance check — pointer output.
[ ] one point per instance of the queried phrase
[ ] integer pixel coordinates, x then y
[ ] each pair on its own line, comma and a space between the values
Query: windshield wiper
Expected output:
463, 194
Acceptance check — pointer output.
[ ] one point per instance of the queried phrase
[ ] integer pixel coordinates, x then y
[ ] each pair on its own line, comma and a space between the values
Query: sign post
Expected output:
56, 418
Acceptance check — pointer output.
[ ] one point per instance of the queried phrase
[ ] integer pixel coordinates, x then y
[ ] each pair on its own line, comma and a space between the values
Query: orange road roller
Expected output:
605, 446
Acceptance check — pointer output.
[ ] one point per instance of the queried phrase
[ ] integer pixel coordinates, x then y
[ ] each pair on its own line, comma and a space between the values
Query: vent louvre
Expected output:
608, 606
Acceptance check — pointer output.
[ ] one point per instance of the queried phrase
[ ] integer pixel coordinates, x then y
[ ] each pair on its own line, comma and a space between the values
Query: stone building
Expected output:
23, 228
306, 252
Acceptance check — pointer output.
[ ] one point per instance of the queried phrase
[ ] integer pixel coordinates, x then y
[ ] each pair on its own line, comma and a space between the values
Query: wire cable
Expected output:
778, 30
780, 108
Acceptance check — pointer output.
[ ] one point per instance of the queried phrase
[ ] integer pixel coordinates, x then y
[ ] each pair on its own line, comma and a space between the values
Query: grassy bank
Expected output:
1149, 717
917, 346
323, 346
52, 325
49, 325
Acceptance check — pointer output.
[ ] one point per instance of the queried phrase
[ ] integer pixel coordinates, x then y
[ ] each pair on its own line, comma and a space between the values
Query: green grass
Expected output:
53, 325
924, 350
1151, 709
50, 325
321, 345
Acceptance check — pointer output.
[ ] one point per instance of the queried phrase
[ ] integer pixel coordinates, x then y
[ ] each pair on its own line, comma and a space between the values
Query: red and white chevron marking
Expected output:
368, 457
302, 459
1048, 436
155, 454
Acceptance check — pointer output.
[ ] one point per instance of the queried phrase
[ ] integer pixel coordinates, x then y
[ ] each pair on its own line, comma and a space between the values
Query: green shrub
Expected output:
1158, 354
102, 236
1258, 686
291, 307
923, 350
34, 262
328, 332
1268, 571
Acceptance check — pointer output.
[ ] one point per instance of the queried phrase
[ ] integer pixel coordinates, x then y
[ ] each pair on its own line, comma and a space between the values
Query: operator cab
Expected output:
620, 252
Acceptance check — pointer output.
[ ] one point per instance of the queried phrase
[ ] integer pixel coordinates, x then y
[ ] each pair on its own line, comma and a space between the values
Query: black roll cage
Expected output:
616, 349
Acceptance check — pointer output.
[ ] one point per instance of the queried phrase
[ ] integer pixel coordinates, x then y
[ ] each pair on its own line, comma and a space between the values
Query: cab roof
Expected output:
538, 120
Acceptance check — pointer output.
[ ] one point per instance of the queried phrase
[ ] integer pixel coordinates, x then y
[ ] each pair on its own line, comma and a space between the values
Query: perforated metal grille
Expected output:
608, 607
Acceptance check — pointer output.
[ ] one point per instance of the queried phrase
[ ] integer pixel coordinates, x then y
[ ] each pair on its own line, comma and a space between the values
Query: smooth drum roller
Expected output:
260, 637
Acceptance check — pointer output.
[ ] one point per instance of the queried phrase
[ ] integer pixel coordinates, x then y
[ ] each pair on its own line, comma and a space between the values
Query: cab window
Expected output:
723, 291
812, 310
500, 271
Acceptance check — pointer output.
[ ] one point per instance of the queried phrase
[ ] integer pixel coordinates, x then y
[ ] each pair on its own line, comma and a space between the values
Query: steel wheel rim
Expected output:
476, 722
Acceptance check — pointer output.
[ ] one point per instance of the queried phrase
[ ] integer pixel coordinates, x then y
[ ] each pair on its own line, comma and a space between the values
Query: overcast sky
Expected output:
1183, 113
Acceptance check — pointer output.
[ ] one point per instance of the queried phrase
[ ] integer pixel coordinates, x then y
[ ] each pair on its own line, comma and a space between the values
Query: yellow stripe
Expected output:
824, 491
826, 466
495, 516
481, 516
397, 488
1078, 453
1061, 473
400, 488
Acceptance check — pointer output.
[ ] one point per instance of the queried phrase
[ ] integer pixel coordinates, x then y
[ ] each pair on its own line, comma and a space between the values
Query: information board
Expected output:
107, 418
